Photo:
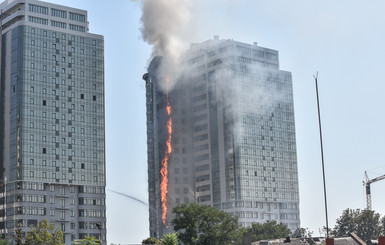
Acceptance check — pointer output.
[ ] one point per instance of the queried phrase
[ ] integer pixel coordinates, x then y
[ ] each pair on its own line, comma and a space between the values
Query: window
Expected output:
77, 17
59, 13
38, 9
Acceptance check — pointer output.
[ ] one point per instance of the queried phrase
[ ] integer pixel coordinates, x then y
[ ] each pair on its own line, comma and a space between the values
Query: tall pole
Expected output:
322, 155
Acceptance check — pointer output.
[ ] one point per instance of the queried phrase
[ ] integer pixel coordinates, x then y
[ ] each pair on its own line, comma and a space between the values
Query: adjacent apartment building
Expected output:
233, 135
52, 139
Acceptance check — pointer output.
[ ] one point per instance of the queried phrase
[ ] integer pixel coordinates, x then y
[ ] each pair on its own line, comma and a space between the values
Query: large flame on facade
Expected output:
165, 160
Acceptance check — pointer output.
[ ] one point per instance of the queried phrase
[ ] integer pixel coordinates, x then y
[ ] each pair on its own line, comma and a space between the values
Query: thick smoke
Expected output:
163, 22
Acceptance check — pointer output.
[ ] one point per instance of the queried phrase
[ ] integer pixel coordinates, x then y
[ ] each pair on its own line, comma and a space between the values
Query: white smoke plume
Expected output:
163, 23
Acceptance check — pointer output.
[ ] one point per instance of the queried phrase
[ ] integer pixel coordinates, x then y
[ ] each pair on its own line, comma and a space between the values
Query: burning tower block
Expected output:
233, 135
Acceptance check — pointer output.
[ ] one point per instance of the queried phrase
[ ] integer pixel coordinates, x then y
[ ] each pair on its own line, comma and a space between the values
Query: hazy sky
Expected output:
343, 40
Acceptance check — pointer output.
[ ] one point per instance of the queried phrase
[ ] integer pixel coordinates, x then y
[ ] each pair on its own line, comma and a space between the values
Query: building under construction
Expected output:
222, 134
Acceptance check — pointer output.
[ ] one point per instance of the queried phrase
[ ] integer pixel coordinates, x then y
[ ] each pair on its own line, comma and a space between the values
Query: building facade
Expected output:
52, 139
233, 134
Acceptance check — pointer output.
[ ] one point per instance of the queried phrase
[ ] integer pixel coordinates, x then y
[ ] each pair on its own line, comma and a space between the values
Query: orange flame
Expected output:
164, 163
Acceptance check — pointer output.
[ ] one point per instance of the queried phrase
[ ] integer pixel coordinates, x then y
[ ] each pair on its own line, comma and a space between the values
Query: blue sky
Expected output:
342, 40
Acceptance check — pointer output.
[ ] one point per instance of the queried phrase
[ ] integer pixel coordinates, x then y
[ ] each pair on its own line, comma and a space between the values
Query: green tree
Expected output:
201, 224
268, 230
346, 223
18, 237
5, 241
302, 232
87, 241
44, 234
365, 223
368, 225
170, 239
382, 221
151, 240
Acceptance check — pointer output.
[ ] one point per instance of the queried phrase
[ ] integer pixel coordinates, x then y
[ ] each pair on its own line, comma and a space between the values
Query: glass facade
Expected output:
52, 89
233, 134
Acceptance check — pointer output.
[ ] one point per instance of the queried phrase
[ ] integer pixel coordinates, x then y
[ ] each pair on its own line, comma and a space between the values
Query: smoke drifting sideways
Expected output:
163, 23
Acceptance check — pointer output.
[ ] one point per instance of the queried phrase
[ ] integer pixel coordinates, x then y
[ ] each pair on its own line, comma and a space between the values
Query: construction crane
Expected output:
367, 187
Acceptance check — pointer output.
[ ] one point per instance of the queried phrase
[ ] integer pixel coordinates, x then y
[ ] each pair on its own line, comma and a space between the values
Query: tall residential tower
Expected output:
233, 135
52, 153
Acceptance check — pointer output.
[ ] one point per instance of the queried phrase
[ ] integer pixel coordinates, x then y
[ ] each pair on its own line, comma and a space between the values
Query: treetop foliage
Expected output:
365, 223
42, 234
201, 224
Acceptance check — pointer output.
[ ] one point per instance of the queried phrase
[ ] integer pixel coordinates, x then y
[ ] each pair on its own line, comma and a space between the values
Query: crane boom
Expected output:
367, 187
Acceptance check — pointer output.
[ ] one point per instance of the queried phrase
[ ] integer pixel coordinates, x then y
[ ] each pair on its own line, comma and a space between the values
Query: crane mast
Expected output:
367, 189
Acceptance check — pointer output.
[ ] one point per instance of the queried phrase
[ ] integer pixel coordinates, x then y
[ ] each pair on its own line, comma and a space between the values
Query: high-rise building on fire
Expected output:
233, 136
52, 152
